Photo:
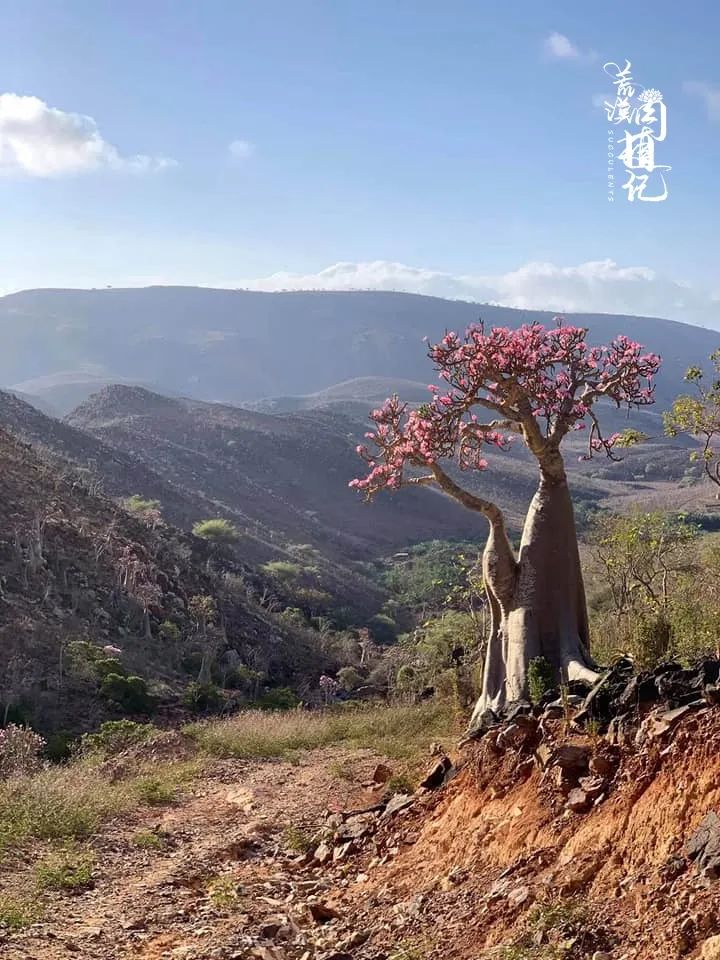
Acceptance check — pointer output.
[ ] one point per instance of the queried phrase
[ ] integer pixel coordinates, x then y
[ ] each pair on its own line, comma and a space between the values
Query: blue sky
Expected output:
441, 147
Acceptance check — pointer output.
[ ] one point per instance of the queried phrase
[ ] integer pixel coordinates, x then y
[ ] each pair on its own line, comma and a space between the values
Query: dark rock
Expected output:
604, 764
572, 758
480, 726
704, 846
321, 912
711, 692
517, 708
435, 777
641, 689
673, 868
520, 734
381, 773
397, 803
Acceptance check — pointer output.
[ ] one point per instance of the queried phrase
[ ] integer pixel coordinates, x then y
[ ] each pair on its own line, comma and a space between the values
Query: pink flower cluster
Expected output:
549, 376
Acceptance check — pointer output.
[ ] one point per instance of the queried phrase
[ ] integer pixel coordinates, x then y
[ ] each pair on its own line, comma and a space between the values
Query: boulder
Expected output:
381, 773
397, 803
593, 786
578, 801
435, 776
323, 853
703, 847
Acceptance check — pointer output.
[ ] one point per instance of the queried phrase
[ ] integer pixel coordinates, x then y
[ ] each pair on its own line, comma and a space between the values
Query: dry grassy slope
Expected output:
73, 592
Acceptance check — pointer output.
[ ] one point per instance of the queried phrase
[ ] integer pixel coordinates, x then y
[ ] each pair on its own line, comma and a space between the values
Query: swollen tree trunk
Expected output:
537, 600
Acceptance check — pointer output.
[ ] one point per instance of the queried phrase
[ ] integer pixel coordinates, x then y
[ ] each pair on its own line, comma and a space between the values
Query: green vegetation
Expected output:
654, 589
216, 531
18, 912
69, 868
202, 697
150, 840
297, 839
223, 892
114, 736
138, 505
540, 678
129, 693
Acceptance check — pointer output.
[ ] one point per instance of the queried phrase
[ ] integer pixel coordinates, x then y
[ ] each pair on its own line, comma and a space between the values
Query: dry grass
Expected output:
72, 801
401, 732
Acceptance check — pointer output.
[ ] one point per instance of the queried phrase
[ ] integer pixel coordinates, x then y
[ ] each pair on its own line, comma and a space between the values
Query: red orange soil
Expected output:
456, 875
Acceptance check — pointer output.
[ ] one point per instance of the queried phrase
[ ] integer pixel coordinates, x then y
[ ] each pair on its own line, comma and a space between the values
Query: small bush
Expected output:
150, 840
155, 791
297, 839
279, 698
216, 531
540, 678
16, 912
223, 892
114, 736
67, 869
20, 750
130, 693
202, 697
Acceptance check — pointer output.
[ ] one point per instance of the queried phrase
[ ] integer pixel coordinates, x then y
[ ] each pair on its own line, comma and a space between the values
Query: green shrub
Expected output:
114, 736
67, 869
155, 790
150, 840
202, 697
17, 912
216, 531
350, 678
540, 678
278, 698
130, 693
137, 504
108, 665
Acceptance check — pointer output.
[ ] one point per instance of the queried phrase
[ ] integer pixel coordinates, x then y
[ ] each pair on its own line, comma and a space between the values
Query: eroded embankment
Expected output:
498, 855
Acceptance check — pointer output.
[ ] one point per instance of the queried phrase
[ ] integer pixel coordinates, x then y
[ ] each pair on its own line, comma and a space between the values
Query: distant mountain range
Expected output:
239, 346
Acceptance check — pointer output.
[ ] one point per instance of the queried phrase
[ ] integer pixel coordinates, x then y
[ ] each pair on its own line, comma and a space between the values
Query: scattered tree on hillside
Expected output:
698, 416
538, 384
146, 510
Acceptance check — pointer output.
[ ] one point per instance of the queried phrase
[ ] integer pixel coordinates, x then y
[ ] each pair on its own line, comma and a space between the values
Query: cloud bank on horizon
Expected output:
600, 286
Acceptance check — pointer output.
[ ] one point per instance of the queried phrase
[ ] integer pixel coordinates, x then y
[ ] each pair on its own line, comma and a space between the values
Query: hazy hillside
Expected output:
282, 477
238, 345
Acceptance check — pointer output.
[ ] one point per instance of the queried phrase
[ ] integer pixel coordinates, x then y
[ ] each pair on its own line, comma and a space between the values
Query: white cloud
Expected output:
241, 149
600, 286
41, 141
709, 94
559, 47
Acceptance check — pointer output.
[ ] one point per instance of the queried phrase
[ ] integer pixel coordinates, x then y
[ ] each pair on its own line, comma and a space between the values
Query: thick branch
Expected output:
469, 500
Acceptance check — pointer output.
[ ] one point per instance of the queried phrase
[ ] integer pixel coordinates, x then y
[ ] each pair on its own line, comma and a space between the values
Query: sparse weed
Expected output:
70, 868
150, 840
401, 783
223, 892
18, 912
297, 839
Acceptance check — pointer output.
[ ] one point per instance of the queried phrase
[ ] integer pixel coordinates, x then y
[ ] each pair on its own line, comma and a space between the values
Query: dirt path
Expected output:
220, 876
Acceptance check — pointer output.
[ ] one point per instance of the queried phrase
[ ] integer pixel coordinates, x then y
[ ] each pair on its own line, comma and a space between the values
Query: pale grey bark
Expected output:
537, 601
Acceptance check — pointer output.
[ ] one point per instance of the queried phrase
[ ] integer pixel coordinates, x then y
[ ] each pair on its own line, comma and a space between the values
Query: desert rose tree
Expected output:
536, 384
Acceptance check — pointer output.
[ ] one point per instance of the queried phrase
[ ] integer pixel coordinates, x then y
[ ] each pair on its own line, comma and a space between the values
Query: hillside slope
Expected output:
239, 345
78, 573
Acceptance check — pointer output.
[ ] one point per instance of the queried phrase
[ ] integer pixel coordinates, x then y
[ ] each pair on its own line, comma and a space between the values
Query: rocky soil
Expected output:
540, 841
